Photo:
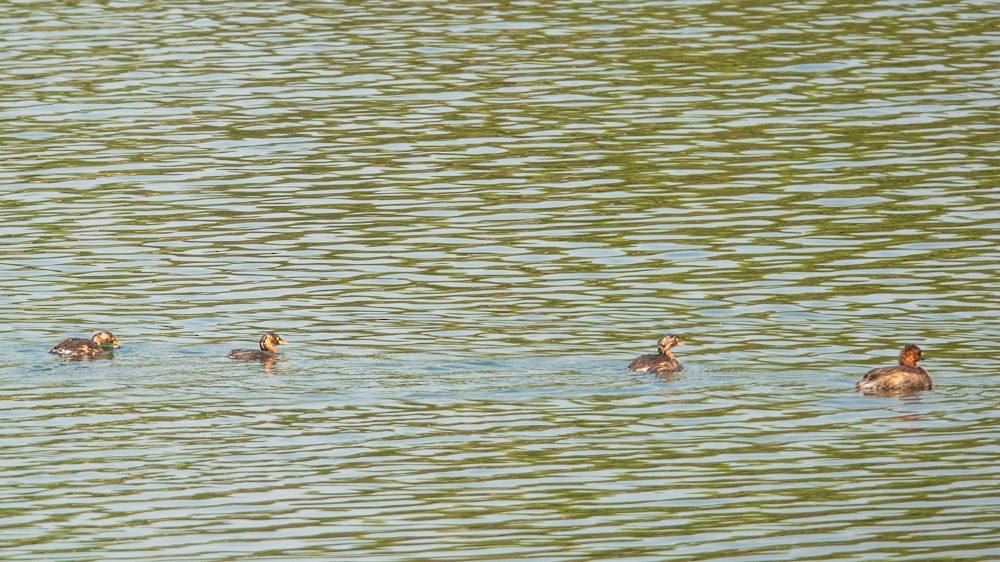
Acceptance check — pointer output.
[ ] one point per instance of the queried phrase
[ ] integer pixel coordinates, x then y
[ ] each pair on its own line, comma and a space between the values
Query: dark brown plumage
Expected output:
268, 349
75, 348
660, 363
905, 378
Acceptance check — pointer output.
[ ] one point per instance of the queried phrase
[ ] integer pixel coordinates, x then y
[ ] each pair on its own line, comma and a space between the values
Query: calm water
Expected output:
468, 219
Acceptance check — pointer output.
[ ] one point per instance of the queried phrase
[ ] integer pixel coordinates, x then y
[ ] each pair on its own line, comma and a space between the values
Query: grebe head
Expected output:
105, 339
668, 341
910, 355
269, 340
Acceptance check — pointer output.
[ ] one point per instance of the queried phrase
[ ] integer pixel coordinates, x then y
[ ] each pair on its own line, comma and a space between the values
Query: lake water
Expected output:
467, 218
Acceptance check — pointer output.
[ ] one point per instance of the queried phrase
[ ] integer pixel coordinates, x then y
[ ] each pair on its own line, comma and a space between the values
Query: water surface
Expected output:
468, 219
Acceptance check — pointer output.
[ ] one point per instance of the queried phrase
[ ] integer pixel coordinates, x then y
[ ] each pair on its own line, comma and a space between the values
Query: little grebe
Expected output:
267, 349
662, 362
904, 378
80, 347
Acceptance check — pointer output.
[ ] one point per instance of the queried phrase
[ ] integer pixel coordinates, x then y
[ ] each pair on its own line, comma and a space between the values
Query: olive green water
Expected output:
468, 218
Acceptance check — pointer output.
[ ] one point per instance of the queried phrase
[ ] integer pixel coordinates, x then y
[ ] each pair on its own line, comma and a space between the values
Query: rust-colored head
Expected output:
910, 355
667, 342
105, 339
270, 340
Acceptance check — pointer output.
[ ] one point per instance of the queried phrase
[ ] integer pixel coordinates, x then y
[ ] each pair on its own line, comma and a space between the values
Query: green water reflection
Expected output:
468, 218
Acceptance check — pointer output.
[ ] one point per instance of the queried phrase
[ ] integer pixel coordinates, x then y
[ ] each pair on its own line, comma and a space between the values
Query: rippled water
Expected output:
468, 218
